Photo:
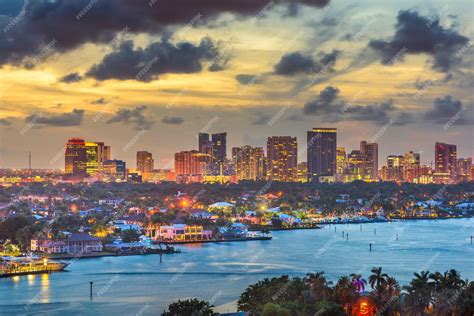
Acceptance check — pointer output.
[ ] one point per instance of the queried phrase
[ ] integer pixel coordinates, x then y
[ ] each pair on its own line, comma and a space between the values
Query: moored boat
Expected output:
14, 266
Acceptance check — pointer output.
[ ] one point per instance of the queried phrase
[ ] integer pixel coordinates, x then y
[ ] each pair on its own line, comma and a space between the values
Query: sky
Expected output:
150, 75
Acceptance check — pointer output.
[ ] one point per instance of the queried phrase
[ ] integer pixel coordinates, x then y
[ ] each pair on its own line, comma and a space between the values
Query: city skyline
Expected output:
347, 66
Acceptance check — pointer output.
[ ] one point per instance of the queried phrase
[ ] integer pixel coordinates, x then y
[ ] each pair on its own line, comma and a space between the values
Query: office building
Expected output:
321, 153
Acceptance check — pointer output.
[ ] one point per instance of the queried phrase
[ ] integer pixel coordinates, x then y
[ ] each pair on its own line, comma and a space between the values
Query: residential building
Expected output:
370, 151
248, 162
282, 153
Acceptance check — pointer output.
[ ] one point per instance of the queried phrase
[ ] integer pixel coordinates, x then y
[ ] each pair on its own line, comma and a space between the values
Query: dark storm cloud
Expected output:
4, 122
328, 105
445, 109
158, 58
70, 78
249, 79
134, 117
172, 120
324, 103
297, 63
417, 34
74, 118
75, 22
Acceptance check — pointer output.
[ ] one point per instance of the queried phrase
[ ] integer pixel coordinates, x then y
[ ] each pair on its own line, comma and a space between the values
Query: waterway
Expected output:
141, 285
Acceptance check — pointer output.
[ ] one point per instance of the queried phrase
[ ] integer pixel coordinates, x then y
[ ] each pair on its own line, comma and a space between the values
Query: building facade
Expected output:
321, 153
282, 153
248, 162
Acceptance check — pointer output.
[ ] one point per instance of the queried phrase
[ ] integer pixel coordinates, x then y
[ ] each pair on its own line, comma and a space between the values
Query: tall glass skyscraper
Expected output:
321, 153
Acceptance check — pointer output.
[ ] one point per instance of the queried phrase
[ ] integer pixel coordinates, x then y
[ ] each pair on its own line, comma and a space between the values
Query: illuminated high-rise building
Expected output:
411, 166
103, 153
76, 158
302, 172
282, 153
219, 147
394, 170
371, 153
92, 152
321, 152
341, 160
463, 168
394, 161
106, 153
445, 159
145, 162
190, 166
248, 162
115, 169
356, 165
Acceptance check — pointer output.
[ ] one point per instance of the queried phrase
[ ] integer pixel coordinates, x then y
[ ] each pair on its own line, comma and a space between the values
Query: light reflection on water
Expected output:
228, 268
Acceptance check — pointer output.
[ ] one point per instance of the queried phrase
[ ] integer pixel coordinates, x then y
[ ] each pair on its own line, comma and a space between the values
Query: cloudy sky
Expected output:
151, 74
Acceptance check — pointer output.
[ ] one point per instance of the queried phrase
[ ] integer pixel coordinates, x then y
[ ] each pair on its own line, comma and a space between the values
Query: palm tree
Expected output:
377, 279
345, 293
447, 287
418, 295
358, 282
319, 286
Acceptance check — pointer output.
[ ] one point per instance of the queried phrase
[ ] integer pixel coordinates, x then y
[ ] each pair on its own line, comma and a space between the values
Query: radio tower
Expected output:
29, 160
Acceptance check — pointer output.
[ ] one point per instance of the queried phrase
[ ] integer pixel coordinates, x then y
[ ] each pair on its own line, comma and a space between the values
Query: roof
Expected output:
221, 204
82, 237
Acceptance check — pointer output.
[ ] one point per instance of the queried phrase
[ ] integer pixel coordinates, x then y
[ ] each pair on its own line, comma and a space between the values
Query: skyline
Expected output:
352, 67
58, 158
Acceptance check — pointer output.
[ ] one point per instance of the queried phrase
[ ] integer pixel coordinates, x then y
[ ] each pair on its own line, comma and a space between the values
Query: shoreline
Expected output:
214, 241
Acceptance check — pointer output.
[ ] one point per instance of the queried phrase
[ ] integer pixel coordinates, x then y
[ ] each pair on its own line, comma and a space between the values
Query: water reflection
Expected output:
45, 290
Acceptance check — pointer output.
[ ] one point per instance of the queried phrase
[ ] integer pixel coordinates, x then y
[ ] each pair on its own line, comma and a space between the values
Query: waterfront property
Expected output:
76, 243
179, 233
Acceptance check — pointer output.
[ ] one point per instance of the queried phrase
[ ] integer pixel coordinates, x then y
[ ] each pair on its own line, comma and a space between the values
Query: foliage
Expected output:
130, 235
190, 307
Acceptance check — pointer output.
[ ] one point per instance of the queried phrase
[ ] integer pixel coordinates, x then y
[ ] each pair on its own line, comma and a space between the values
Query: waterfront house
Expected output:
126, 225
236, 230
76, 243
183, 232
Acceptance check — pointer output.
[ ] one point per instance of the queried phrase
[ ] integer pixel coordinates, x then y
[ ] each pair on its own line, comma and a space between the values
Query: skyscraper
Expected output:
145, 162
356, 165
341, 160
219, 147
203, 142
411, 166
445, 159
76, 158
282, 152
103, 152
115, 169
92, 161
190, 166
248, 162
321, 152
371, 153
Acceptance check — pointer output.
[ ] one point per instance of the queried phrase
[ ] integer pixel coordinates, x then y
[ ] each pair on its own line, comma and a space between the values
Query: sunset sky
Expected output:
150, 75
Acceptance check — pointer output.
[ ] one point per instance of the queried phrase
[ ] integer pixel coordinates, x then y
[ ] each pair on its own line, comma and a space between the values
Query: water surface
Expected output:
141, 285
